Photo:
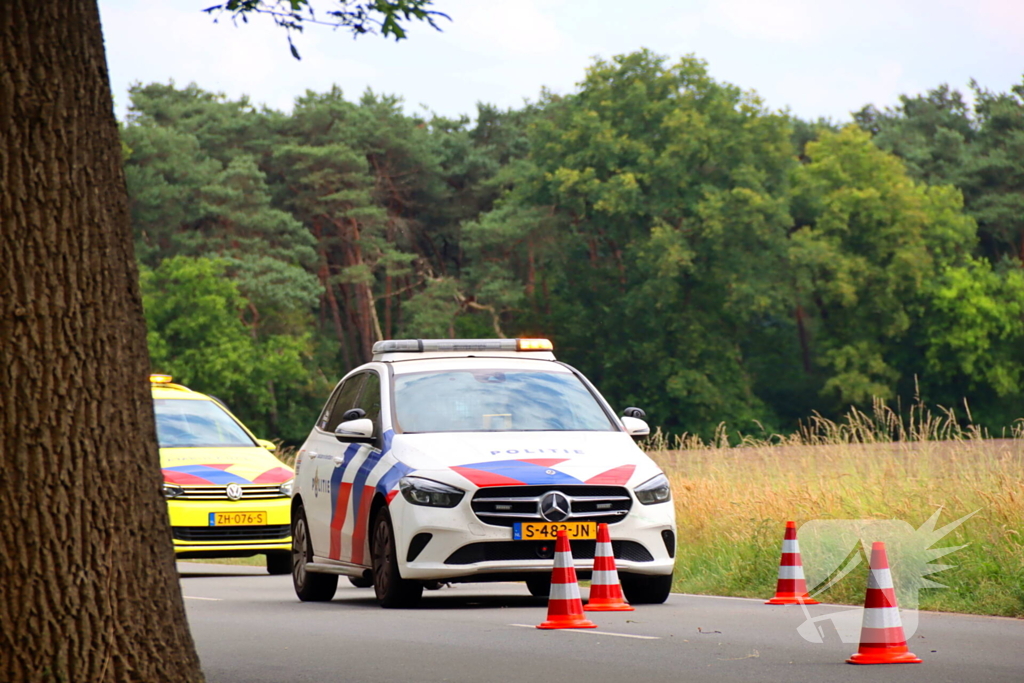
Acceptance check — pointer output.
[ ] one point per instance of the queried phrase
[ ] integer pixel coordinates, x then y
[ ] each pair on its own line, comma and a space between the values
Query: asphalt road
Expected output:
249, 628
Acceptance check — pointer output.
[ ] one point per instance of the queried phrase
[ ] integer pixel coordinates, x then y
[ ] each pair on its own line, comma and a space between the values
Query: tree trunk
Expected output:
805, 345
387, 307
531, 276
325, 279
88, 588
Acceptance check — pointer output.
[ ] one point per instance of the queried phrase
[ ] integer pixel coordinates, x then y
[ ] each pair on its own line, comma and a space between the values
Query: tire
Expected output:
309, 586
646, 590
279, 563
539, 585
360, 581
392, 590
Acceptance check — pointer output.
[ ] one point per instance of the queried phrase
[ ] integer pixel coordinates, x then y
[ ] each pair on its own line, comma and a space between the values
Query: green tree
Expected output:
893, 293
653, 204
197, 333
186, 202
193, 314
165, 170
944, 142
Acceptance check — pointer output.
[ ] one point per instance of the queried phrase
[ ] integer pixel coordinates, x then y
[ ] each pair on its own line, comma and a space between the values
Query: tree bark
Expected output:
88, 588
805, 345
325, 279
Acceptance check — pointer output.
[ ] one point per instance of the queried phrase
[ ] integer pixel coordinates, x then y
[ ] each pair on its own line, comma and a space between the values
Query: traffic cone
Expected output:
605, 589
792, 587
565, 608
881, 633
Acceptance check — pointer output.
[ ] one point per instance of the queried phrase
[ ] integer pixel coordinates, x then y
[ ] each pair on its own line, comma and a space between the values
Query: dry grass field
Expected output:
732, 502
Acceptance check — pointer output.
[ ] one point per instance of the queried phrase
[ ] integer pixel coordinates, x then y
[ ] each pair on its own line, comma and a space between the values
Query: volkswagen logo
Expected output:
234, 491
554, 506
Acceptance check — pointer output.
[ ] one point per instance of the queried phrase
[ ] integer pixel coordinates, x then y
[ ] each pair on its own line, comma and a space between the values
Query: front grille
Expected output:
506, 505
266, 532
511, 551
253, 492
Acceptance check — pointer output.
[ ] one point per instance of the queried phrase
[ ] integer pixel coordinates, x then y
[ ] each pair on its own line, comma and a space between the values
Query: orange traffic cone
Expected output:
565, 608
605, 589
792, 587
881, 633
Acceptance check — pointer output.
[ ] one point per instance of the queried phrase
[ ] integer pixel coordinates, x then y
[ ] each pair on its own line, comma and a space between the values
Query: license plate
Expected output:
548, 531
237, 518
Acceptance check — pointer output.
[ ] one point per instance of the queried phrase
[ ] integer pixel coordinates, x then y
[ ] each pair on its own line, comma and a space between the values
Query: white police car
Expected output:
459, 460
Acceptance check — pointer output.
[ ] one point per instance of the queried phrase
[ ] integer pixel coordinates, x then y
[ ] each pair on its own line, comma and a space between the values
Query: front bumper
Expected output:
194, 536
461, 546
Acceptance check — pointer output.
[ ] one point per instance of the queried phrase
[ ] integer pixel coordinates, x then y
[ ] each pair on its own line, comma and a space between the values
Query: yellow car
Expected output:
226, 494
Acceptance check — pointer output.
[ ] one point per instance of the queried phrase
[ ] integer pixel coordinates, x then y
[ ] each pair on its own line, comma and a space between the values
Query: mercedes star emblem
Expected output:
234, 491
555, 507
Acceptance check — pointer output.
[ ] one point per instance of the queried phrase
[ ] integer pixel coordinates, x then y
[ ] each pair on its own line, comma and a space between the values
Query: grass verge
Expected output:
732, 503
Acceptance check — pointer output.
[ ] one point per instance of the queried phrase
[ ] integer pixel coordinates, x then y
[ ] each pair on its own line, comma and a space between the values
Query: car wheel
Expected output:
646, 590
279, 563
391, 589
360, 581
539, 585
309, 586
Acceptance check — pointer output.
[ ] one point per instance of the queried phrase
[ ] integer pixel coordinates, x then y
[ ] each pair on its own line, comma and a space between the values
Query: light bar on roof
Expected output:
534, 345
459, 345
157, 378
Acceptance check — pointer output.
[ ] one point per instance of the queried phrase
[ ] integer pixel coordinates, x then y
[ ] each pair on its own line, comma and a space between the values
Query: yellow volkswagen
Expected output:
227, 495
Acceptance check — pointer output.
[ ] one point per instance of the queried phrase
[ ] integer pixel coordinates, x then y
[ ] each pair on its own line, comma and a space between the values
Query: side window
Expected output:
345, 399
321, 422
370, 399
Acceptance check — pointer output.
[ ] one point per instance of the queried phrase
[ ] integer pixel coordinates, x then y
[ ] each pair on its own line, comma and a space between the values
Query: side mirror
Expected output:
359, 430
635, 427
353, 414
269, 445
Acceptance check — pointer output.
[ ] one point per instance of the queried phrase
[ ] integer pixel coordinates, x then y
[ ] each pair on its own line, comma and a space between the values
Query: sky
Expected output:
815, 58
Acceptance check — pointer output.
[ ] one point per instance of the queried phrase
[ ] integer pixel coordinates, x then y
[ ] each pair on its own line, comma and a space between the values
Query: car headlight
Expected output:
172, 490
656, 490
286, 488
420, 491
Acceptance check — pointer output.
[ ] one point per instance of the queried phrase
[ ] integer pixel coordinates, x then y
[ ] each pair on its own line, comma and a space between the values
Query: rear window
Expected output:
183, 423
496, 400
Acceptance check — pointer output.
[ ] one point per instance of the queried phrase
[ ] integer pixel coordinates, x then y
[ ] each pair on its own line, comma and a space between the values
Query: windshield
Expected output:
482, 400
183, 423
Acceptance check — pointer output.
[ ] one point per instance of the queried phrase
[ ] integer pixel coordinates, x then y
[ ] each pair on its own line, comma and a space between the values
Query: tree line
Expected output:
691, 250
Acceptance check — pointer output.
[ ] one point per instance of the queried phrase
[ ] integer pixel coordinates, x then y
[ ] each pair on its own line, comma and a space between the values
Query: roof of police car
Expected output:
436, 363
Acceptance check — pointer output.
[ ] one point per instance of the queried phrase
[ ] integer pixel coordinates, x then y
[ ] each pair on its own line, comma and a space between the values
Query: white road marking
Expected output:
599, 633
192, 597
718, 597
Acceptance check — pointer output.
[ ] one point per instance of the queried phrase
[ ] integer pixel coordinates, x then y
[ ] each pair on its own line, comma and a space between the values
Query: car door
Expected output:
326, 459
357, 487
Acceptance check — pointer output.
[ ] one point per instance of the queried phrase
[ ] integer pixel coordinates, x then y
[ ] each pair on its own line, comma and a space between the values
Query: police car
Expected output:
227, 496
445, 461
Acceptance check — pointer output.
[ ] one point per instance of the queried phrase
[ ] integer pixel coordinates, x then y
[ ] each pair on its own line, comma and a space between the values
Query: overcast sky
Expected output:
818, 58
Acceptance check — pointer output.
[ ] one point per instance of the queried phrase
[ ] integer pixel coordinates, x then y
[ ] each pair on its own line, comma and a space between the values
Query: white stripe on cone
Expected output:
880, 578
604, 578
882, 617
565, 591
791, 546
788, 571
